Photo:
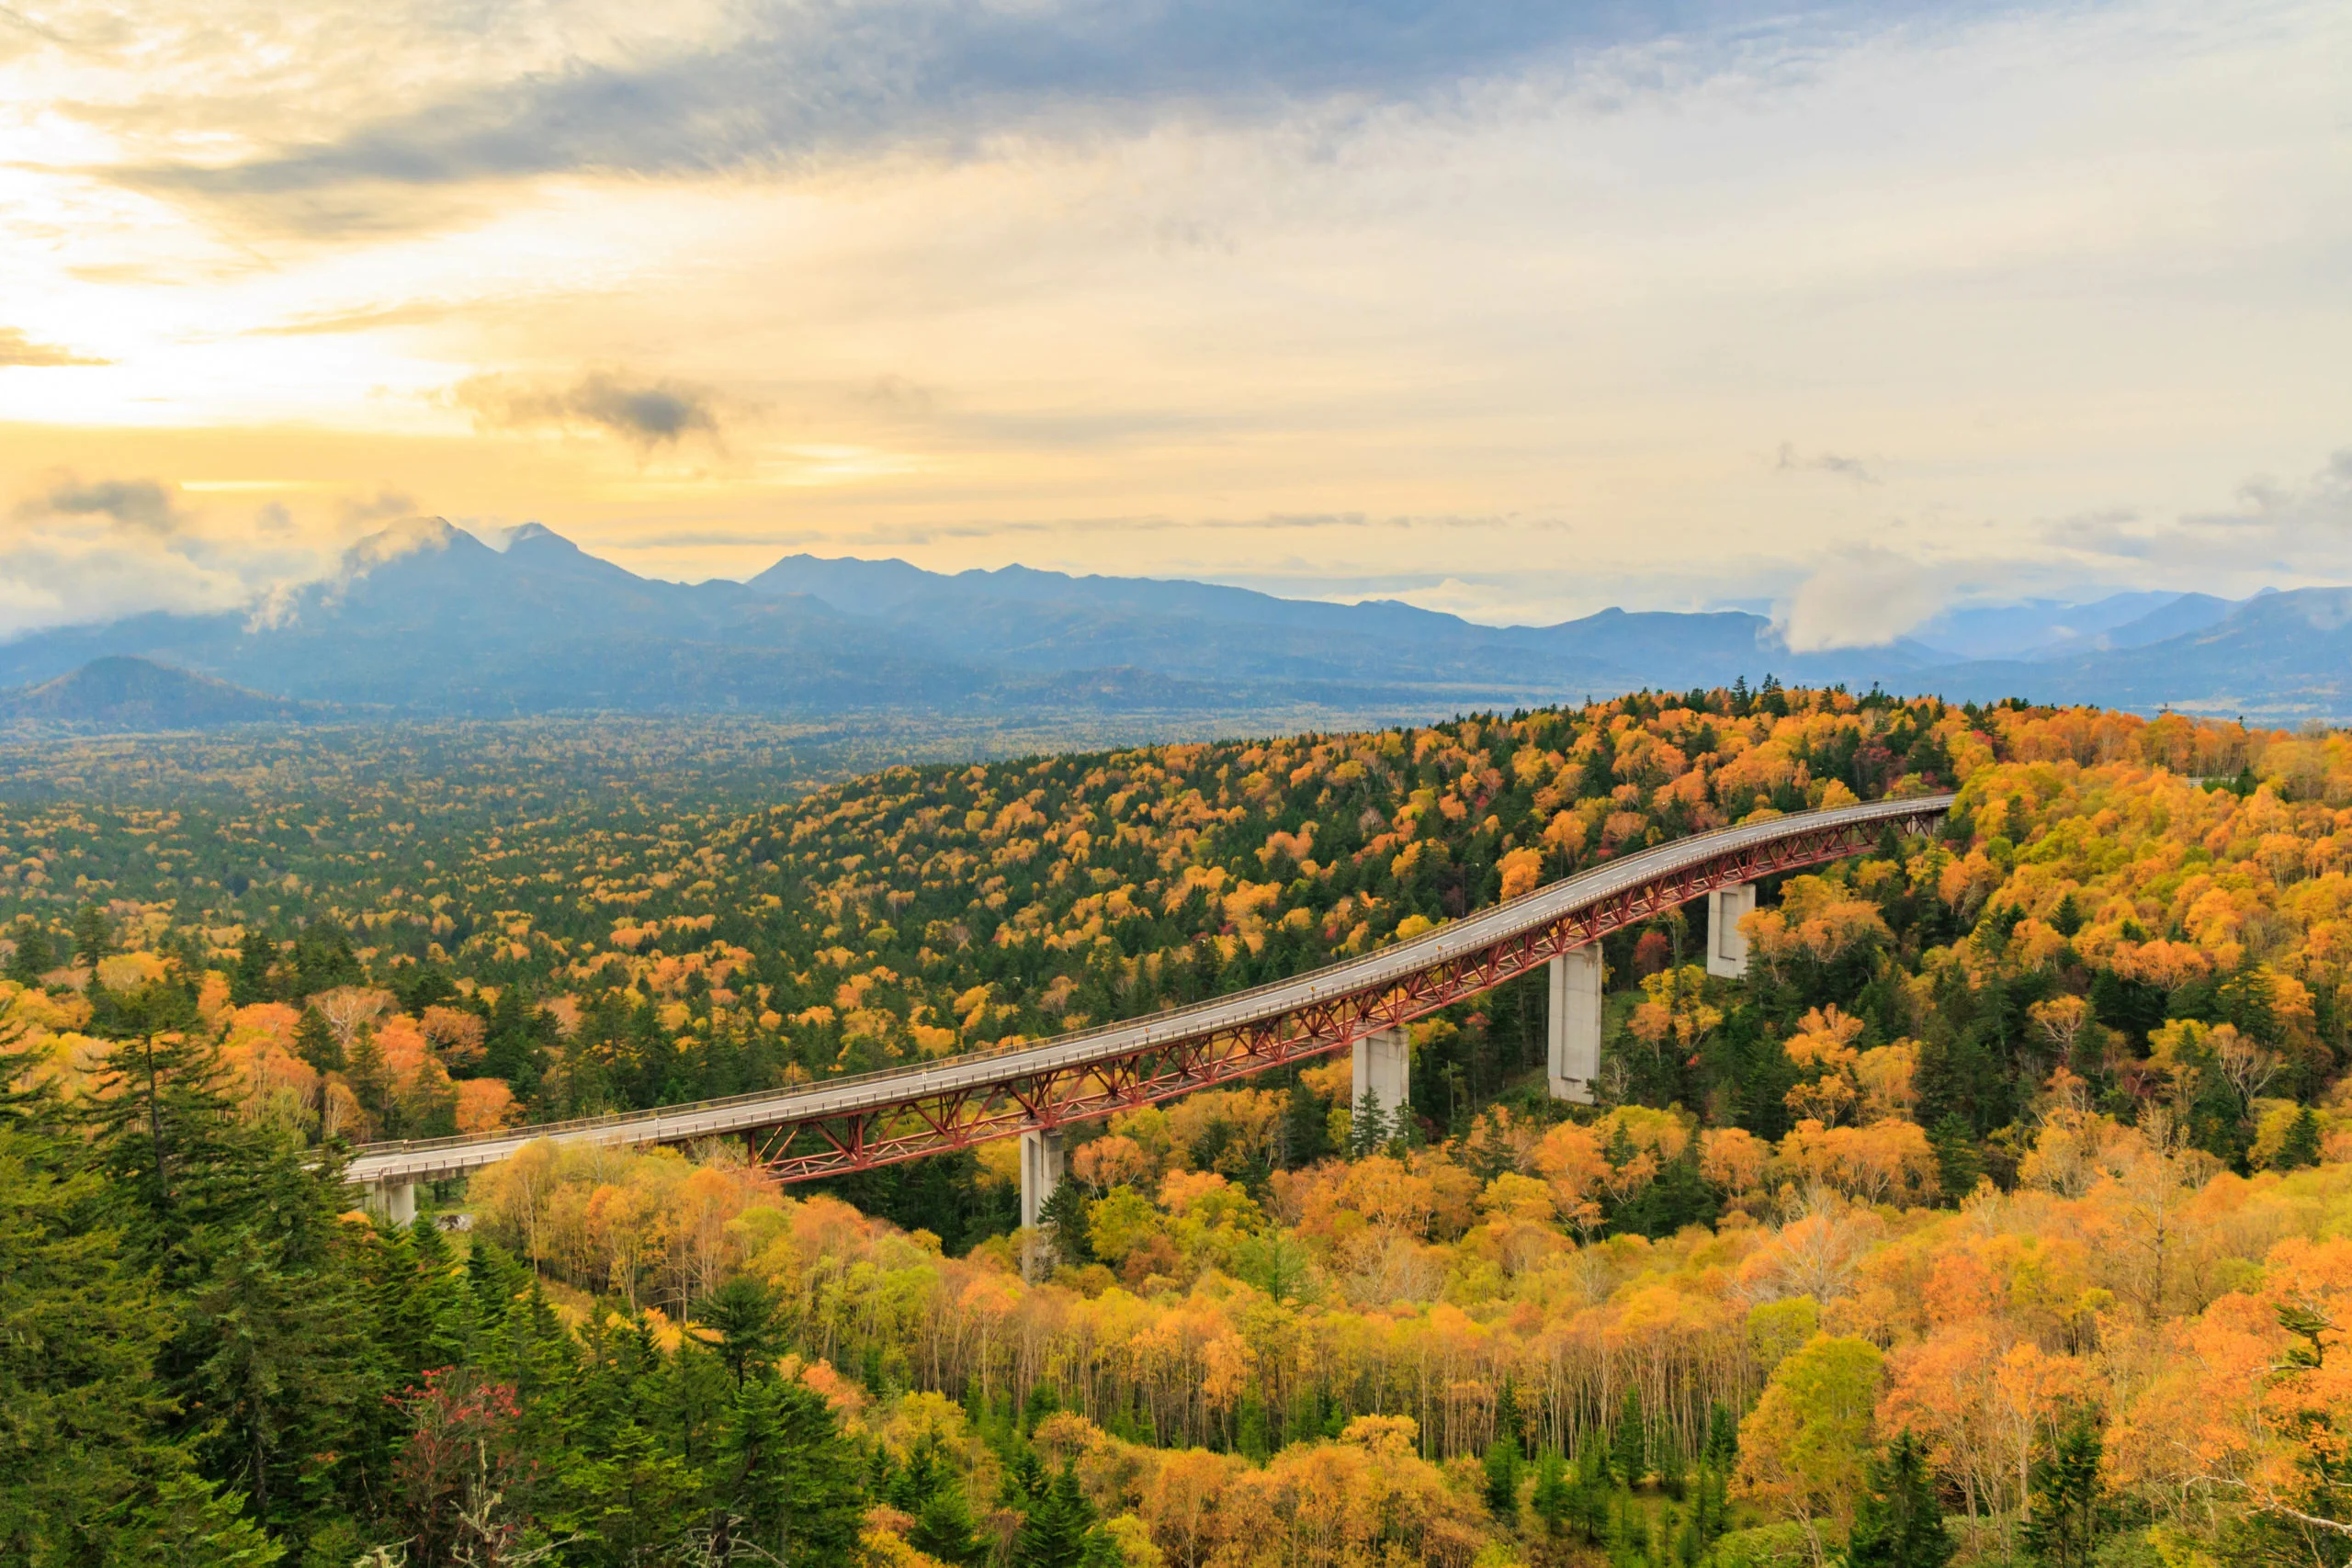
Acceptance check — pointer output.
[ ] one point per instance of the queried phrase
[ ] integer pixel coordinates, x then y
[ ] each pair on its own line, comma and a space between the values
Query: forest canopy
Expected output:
2001, 1213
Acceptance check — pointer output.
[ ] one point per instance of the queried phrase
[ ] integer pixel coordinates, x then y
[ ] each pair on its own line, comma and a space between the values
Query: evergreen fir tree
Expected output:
742, 1312
1507, 1423
249, 981
1054, 1534
1307, 1129
93, 935
1722, 1451
785, 1473
943, 1527
1063, 1219
1628, 1448
1503, 1478
371, 1084
2063, 1527
1368, 1126
1898, 1523
1553, 1498
1023, 1483
315, 1042
913, 1484
1958, 1167
84, 1415
2300, 1148
33, 957
193, 1524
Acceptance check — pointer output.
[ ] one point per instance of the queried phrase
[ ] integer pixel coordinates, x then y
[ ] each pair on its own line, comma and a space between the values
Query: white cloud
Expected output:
1859, 599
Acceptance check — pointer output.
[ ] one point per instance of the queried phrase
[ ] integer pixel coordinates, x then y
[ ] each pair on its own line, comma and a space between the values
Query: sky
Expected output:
1858, 311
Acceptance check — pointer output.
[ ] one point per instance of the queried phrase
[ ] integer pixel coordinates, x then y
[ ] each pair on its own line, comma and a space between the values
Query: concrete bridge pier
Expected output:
1383, 1064
1573, 1059
1726, 944
395, 1201
1041, 1172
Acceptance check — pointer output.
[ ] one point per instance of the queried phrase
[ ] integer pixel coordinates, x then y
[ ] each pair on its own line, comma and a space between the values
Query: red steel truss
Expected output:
928, 1123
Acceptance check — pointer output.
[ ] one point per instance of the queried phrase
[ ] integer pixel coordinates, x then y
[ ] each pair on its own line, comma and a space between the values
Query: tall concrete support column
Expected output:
1384, 1063
395, 1201
1573, 1060
1726, 944
1041, 1172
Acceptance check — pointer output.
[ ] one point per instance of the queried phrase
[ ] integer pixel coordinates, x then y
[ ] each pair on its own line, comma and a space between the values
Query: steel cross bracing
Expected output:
875, 1119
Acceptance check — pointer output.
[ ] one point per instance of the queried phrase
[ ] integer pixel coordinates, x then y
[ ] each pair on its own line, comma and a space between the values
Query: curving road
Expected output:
1322, 1010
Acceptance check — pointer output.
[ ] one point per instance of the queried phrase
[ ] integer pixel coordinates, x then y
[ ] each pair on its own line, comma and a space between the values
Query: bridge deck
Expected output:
1373, 973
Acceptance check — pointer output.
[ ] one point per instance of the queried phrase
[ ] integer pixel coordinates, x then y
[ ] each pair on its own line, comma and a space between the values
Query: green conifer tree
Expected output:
249, 982
78, 1400
1509, 1423
93, 935
1306, 1128
1054, 1533
1502, 1479
1369, 1131
1898, 1523
315, 1042
33, 957
2300, 1148
943, 1527
1063, 1219
1024, 1481
2065, 1523
1722, 1439
1958, 1166
1629, 1446
1553, 1500
784, 1474
742, 1312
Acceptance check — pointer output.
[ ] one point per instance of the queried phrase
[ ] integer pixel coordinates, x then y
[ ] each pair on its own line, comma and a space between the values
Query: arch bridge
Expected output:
1360, 1004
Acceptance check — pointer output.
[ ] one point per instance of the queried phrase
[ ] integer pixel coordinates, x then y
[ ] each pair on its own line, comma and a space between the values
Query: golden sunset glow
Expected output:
1887, 307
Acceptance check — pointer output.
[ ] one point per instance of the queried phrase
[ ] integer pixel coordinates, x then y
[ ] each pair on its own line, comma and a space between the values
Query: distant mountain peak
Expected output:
121, 692
538, 536
404, 537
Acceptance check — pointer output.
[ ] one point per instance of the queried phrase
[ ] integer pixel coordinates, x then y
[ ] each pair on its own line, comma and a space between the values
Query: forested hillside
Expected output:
2010, 1185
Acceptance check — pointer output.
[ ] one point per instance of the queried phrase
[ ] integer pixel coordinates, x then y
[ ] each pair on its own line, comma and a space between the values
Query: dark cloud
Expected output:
15, 348
804, 82
647, 413
144, 504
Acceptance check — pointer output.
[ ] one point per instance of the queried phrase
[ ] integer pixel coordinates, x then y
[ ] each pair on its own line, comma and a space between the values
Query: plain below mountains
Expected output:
425, 620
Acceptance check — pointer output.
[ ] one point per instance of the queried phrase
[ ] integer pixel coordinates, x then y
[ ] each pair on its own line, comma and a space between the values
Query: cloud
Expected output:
15, 348
412, 313
387, 502
2287, 533
785, 83
145, 504
1859, 599
647, 413
95, 550
1855, 468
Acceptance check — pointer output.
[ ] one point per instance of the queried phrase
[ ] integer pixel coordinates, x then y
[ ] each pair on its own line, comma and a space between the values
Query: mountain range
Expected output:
427, 620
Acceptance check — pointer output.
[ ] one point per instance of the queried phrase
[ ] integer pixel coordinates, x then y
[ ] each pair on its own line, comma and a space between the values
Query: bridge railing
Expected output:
1369, 970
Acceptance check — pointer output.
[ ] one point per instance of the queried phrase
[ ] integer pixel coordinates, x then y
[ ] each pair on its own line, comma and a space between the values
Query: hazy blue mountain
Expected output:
1034, 620
425, 619
2037, 627
121, 695
2276, 658
2188, 613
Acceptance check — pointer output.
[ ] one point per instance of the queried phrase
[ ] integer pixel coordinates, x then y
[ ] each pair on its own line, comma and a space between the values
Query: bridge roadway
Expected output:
879, 1118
